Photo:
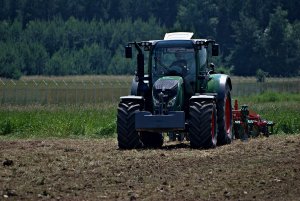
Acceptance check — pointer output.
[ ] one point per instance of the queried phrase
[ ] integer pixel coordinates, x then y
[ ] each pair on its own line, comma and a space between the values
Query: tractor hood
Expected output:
168, 90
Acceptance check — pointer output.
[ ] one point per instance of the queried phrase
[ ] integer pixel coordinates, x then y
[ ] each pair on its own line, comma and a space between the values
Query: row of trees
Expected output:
71, 47
63, 37
28, 10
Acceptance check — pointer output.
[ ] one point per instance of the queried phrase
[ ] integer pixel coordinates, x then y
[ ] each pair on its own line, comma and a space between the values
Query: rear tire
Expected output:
224, 116
203, 127
152, 140
128, 137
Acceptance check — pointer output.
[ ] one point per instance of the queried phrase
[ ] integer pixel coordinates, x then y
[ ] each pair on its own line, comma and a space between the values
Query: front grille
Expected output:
168, 87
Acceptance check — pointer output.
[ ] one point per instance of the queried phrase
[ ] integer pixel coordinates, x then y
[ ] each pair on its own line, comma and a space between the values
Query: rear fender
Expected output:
209, 98
217, 84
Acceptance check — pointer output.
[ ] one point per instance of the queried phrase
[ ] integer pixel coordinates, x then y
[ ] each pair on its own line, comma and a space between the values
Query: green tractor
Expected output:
180, 95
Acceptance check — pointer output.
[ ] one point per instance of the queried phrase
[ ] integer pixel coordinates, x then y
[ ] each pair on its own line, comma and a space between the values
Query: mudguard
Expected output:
203, 97
137, 99
217, 84
134, 87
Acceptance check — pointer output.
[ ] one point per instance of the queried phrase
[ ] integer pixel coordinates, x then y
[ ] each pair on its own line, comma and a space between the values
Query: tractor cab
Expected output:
172, 66
177, 67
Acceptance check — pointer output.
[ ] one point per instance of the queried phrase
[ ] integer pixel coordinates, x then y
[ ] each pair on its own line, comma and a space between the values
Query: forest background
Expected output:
83, 37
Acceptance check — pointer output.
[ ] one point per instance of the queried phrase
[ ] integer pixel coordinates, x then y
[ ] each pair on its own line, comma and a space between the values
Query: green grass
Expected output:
99, 120
58, 121
272, 97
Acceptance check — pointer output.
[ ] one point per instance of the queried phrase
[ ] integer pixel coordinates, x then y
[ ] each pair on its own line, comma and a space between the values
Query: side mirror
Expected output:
128, 51
215, 50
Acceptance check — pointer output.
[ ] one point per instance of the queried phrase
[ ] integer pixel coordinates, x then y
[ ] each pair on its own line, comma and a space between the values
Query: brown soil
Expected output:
260, 169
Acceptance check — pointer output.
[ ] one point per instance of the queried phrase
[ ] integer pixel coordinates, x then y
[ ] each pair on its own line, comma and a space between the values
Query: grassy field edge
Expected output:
99, 121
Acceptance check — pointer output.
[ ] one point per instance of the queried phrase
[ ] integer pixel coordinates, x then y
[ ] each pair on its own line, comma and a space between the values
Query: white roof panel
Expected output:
178, 36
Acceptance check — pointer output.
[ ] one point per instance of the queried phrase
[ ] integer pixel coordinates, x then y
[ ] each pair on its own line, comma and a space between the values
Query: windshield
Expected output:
178, 61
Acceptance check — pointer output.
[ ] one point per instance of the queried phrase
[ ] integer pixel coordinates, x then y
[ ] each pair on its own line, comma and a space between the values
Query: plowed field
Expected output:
260, 169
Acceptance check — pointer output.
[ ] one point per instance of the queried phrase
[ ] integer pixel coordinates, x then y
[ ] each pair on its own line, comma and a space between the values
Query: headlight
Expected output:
172, 102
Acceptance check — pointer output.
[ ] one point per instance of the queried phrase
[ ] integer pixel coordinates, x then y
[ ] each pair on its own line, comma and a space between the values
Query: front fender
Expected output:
217, 84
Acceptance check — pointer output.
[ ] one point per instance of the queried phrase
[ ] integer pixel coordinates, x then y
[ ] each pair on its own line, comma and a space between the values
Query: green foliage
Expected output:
10, 61
261, 75
244, 57
60, 63
108, 130
198, 16
276, 42
71, 37
6, 127
224, 70
286, 117
71, 47
74, 128
271, 96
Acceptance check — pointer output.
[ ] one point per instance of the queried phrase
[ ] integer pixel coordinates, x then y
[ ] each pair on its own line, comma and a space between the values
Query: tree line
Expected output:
74, 37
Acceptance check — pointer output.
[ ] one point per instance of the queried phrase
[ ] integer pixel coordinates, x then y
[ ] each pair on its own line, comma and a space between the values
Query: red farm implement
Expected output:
247, 123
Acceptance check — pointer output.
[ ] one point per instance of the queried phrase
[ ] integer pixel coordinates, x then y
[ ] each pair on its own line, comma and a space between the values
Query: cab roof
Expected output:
179, 36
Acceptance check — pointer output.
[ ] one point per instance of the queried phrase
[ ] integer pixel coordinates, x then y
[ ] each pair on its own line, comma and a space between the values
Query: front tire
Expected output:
128, 137
203, 127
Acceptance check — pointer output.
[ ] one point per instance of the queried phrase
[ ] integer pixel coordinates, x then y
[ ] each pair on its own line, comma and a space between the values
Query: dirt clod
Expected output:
9, 193
8, 162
